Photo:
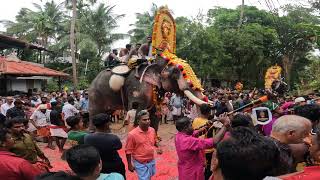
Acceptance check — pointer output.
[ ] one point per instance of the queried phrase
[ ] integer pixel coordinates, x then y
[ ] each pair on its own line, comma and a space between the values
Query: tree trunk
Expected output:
72, 44
287, 66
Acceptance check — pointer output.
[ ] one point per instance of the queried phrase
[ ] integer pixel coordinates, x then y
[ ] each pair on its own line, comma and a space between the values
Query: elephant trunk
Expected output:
193, 98
184, 87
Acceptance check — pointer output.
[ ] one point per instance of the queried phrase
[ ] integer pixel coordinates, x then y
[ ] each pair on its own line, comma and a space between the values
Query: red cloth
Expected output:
43, 131
141, 144
309, 173
13, 167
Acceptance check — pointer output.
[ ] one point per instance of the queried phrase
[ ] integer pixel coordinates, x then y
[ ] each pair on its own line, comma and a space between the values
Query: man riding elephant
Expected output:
112, 60
120, 87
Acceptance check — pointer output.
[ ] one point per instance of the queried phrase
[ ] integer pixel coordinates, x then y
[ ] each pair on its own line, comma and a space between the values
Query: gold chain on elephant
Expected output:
185, 68
156, 95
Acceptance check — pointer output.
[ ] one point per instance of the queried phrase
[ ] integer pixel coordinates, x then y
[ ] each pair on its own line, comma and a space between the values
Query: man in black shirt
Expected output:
17, 110
56, 128
107, 144
112, 59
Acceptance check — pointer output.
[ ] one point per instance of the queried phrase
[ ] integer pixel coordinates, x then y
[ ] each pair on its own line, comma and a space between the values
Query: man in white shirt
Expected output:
131, 116
69, 109
41, 120
176, 103
9, 104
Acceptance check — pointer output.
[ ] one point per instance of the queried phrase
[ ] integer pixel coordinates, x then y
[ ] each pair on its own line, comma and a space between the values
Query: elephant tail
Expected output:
116, 82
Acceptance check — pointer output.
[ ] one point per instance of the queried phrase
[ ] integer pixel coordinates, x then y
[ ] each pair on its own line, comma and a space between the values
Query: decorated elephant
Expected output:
120, 87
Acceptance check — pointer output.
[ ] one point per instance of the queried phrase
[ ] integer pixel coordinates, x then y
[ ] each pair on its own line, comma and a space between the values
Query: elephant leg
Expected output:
94, 110
154, 120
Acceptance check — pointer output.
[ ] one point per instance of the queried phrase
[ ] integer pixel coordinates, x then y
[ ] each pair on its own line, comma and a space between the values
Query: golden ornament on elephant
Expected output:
272, 74
164, 31
185, 68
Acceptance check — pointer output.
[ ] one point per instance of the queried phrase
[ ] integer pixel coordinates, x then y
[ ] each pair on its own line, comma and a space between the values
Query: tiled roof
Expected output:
24, 68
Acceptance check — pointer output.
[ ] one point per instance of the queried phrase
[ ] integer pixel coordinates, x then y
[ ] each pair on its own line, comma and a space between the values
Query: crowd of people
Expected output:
210, 144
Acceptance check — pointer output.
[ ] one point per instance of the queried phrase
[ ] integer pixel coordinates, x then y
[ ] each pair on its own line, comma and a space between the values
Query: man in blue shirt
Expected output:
85, 162
84, 108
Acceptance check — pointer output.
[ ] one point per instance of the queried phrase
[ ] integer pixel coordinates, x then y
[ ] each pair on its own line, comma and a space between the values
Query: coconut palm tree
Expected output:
98, 25
72, 44
37, 26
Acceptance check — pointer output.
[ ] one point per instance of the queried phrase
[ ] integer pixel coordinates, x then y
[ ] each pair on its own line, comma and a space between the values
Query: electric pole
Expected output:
241, 14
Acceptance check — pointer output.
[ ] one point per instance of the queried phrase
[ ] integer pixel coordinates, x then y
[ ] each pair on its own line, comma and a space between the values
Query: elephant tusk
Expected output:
193, 98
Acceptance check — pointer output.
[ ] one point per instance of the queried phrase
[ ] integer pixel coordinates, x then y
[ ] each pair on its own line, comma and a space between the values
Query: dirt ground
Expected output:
166, 163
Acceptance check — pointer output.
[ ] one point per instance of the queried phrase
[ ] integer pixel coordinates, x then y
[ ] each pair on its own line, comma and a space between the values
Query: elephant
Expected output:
140, 86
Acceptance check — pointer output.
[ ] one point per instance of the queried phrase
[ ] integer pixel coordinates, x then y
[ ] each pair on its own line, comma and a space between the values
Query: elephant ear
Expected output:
152, 75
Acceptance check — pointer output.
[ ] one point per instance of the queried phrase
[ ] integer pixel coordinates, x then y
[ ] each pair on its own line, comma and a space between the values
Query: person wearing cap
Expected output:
9, 104
300, 101
41, 120
17, 110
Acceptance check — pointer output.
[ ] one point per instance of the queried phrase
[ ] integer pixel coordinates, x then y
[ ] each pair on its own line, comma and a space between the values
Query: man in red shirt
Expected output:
313, 171
140, 148
13, 167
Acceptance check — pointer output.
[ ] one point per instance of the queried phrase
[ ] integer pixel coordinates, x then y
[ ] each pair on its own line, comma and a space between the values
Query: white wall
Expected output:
19, 85
23, 84
37, 84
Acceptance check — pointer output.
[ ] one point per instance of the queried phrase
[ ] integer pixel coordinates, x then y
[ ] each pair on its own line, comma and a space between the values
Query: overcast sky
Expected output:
189, 8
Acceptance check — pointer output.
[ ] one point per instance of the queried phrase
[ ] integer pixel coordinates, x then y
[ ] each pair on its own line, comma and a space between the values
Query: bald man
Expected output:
291, 134
291, 129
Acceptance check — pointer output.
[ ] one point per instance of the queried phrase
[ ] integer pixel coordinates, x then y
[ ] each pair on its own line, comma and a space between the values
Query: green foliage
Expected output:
296, 32
216, 47
309, 76
52, 85
143, 26
37, 26
83, 83
96, 27
49, 25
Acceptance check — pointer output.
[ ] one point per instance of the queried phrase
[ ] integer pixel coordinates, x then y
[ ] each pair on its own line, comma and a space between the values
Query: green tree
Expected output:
296, 31
37, 26
143, 26
99, 25
199, 45
247, 50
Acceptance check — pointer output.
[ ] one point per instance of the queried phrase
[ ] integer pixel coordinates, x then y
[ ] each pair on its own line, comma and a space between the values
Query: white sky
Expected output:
189, 8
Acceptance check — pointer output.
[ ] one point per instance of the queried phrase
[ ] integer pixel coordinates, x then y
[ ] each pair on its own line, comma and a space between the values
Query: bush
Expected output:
52, 85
